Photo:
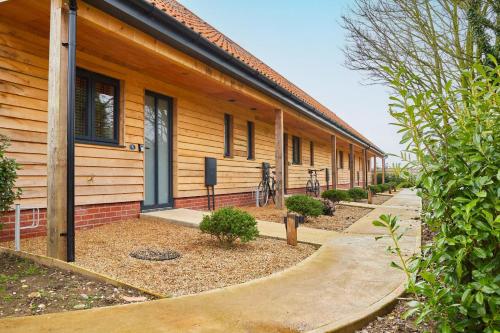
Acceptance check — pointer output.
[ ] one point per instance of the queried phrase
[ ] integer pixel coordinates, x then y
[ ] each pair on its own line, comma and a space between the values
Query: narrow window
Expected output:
228, 135
96, 108
296, 153
250, 140
341, 159
311, 153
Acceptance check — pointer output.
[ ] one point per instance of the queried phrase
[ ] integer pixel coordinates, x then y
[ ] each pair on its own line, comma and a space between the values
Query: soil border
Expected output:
56, 263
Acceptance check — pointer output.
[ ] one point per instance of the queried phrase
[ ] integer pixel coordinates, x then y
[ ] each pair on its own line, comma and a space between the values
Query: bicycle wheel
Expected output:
317, 188
309, 187
263, 194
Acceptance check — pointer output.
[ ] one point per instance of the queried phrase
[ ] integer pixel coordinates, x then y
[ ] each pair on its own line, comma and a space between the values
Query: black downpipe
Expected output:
71, 132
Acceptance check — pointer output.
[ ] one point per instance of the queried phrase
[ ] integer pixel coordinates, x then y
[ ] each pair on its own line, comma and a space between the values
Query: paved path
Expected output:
348, 278
192, 218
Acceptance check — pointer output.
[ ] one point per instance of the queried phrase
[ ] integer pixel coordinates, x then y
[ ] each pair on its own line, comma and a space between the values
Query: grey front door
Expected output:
157, 151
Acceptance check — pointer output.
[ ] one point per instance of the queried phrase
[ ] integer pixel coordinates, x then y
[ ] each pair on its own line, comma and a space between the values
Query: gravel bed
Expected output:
344, 216
27, 288
203, 264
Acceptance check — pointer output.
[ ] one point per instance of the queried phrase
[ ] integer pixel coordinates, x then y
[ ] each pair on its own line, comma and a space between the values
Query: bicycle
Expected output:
267, 186
312, 186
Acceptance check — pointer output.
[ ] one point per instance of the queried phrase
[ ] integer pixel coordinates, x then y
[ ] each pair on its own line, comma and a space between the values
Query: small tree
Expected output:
8, 175
304, 205
228, 224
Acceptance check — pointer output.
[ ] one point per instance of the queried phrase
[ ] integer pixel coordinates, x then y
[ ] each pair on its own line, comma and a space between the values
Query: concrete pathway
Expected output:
344, 283
192, 218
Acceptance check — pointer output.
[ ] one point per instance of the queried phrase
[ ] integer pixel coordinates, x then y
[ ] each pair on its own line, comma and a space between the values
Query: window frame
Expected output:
228, 135
91, 138
311, 153
341, 159
250, 140
296, 150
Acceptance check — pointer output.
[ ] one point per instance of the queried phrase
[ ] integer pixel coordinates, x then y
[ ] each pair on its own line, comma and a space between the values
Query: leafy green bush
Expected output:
228, 224
304, 205
453, 139
336, 195
8, 176
375, 188
384, 187
357, 193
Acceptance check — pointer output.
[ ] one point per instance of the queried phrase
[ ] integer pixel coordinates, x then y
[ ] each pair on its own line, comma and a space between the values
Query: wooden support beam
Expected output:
278, 149
335, 173
351, 166
383, 170
365, 167
57, 132
374, 180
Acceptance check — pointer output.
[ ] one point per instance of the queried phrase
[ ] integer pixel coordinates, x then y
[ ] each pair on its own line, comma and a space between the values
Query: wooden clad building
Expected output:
157, 91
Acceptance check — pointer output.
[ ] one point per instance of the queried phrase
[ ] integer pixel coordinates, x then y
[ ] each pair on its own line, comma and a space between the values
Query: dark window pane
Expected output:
251, 140
228, 127
81, 115
104, 122
296, 158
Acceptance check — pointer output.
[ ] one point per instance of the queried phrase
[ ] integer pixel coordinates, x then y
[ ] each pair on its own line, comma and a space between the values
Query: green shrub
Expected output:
336, 195
8, 176
384, 187
375, 188
228, 224
453, 142
357, 193
304, 205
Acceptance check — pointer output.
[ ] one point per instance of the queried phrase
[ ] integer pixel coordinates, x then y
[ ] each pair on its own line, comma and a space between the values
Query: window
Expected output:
296, 151
250, 140
311, 153
341, 159
96, 108
228, 135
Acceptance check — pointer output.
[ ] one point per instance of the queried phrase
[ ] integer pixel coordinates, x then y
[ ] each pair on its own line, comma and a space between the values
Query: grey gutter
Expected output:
148, 18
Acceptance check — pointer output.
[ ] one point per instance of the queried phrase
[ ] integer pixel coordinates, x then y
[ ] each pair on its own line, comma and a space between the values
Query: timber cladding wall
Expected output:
106, 174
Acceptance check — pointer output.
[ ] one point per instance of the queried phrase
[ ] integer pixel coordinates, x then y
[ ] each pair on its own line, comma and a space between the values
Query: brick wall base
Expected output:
87, 216
221, 200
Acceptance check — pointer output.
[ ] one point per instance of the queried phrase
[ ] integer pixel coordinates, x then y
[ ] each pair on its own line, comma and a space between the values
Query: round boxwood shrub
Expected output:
304, 205
228, 224
336, 195
357, 193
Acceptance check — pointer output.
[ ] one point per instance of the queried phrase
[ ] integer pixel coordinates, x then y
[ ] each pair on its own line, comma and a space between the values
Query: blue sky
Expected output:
303, 41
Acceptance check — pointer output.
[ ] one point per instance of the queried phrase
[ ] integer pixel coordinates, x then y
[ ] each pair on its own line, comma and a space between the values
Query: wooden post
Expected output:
383, 170
278, 149
351, 166
291, 230
335, 172
57, 132
374, 170
365, 170
370, 196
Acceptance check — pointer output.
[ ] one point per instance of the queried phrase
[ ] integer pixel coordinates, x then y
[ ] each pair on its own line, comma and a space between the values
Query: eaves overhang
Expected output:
151, 20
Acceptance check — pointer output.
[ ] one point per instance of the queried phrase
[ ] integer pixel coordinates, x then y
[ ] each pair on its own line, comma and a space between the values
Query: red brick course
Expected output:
221, 200
87, 216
